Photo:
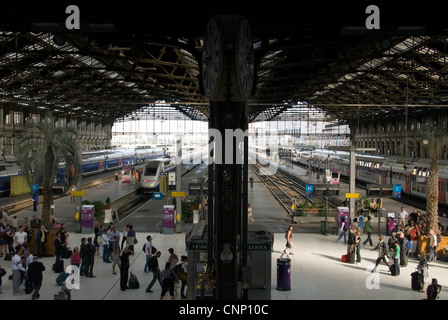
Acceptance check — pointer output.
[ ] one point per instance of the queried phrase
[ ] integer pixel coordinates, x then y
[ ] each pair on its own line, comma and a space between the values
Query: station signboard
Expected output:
396, 191
352, 195
309, 189
157, 195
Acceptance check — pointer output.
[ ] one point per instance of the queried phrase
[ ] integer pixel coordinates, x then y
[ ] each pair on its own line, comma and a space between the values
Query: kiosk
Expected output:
201, 276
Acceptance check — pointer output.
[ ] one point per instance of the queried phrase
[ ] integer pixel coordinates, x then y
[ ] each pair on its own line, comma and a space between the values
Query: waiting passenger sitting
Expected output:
373, 206
360, 206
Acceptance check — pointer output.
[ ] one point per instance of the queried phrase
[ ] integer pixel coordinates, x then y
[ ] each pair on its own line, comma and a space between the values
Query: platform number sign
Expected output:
157, 196
396, 191
309, 189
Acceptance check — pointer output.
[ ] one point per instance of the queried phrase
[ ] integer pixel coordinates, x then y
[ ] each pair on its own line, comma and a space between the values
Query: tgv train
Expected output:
8, 168
93, 162
154, 168
372, 169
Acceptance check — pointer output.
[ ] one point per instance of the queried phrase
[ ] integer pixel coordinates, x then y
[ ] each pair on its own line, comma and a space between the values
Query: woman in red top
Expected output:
75, 258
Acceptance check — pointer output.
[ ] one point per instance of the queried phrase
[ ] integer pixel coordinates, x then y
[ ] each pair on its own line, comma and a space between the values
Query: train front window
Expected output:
151, 170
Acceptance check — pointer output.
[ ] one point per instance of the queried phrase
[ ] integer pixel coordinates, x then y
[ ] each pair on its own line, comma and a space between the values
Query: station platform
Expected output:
390, 205
316, 270
316, 273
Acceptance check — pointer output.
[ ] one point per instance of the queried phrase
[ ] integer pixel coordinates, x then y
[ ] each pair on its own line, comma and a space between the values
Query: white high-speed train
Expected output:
153, 169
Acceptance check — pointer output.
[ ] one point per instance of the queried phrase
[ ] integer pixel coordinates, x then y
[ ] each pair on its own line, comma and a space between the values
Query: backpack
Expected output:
432, 292
181, 275
91, 250
133, 282
153, 249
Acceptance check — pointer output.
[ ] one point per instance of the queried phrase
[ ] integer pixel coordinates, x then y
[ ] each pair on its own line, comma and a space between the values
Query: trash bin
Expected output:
391, 223
283, 274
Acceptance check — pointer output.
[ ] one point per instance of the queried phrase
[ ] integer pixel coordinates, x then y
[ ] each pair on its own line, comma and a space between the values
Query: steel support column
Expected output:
228, 179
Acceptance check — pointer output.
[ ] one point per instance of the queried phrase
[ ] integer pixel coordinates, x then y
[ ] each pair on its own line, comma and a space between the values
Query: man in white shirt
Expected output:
21, 236
432, 245
17, 269
402, 217
148, 250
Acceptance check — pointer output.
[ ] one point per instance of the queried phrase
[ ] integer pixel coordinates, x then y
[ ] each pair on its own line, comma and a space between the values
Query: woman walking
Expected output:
168, 278
288, 236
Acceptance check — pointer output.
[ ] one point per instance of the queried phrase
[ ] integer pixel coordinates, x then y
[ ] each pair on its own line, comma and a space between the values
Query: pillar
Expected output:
227, 79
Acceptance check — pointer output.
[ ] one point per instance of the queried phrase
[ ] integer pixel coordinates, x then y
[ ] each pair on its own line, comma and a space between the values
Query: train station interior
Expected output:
271, 115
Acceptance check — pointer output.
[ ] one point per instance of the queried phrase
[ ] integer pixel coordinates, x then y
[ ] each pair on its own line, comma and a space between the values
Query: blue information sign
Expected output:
157, 196
396, 191
309, 189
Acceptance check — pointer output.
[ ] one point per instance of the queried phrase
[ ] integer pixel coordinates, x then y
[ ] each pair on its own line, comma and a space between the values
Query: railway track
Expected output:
283, 188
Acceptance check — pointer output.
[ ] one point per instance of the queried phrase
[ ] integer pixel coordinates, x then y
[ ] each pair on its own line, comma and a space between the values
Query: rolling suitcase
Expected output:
61, 278
58, 267
61, 295
392, 269
414, 281
29, 286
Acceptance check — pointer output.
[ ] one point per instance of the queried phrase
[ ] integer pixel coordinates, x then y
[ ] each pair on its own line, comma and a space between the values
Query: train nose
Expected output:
151, 182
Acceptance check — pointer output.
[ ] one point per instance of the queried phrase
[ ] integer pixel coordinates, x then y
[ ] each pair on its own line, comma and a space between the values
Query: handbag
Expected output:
2, 272
135, 241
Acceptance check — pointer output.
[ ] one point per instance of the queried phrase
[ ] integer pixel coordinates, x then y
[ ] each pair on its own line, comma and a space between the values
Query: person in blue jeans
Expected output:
106, 247
397, 258
432, 245
156, 275
148, 252
342, 231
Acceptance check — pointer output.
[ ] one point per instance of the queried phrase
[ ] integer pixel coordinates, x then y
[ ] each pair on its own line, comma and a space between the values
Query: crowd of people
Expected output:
107, 243
401, 245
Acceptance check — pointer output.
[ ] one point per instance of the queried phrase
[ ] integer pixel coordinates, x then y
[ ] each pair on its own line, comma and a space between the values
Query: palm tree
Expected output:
434, 140
40, 150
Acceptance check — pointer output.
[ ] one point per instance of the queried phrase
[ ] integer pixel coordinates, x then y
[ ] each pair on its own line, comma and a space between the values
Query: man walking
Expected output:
382, 253
35, 275
368, 229
154, 266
